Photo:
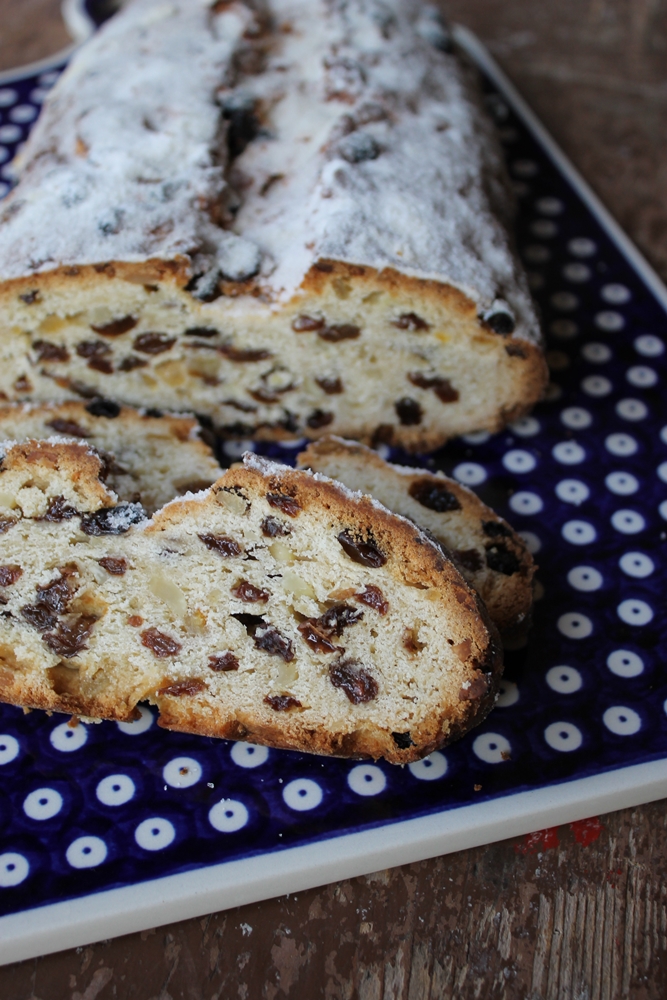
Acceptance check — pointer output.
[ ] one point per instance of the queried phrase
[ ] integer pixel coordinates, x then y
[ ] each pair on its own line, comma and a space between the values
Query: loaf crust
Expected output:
333, 229
491, 556
147, 458
163, 628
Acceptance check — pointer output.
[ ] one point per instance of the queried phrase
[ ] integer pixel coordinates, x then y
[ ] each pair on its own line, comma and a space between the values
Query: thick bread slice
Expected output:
289, 216
276, 607
148, 459
489, 553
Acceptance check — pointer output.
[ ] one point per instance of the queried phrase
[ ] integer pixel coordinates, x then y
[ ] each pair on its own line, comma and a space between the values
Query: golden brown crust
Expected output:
41, 464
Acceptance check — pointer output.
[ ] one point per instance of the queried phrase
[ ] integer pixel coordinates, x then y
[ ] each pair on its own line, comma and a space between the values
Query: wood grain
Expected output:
567, 914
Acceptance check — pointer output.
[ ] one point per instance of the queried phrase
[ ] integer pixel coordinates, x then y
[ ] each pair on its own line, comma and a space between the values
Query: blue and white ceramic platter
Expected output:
110, 828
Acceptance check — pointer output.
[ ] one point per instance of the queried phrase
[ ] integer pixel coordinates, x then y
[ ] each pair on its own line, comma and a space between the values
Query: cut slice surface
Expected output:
148, 458
489, 553
276, 607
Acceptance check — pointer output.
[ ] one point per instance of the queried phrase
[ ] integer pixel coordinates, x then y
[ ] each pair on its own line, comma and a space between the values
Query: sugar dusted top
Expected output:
253, 140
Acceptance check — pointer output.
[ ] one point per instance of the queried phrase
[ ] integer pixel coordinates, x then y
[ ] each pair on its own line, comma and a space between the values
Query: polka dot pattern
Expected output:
583, 479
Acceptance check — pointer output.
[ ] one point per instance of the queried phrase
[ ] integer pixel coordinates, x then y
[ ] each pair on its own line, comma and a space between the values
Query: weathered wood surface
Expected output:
568, 914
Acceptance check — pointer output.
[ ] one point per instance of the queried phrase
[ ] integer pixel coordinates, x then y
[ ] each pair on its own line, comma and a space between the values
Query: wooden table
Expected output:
577, 913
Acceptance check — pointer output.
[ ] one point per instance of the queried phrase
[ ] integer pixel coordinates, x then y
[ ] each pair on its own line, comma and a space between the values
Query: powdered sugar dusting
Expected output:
369, 147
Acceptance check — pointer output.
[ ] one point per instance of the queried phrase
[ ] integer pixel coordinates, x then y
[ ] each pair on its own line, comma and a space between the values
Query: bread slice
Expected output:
289, 216
488, 552
276, 607
148, 458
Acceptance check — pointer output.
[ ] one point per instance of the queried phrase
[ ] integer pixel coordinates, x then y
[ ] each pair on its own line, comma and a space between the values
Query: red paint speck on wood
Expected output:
586, 830
540, 840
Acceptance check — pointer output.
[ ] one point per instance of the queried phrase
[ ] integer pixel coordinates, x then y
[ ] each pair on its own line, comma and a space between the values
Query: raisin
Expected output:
6, 523
342, 331
374, 598
355, 681
500, 559
367, 553
57, 594
9, 574
30, 297
101, 407
117, 567
273, 528
59, 510
112, 520
307, 324
249, 593
135, 621
116, 327
316, 638
159, 643
282, 702
332, 386
130, 363
469, 559
101, 365
39, 616
288, 505
68, 427
222, 544
92, 349
264, 395
189, 686
496, 529
500, 322
47, 351
339, 617
409, 411
153, 343
319, 418
70, 640
357, 147
410, 321
383, 434
243, 125
238, 354
274, 642
433, 495
201, 331
402, 740
442, 387
223, 662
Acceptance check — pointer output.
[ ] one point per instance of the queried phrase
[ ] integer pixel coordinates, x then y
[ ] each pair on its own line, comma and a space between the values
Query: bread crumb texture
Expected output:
276, 607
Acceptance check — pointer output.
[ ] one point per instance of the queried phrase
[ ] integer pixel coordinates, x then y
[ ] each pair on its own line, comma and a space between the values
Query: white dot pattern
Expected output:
564, 680
582, 479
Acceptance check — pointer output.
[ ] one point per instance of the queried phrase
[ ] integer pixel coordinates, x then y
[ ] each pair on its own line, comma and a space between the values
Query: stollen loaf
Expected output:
290, 216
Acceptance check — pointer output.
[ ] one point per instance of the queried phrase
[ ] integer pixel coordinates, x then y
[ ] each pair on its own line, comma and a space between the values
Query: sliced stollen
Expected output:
276, 607
301, 230
489, 553
148, 458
